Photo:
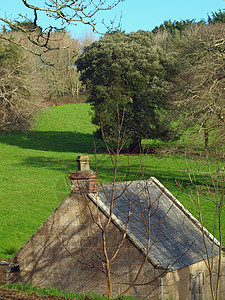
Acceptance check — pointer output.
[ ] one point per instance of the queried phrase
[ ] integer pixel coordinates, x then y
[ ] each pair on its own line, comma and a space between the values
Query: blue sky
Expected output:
136, 14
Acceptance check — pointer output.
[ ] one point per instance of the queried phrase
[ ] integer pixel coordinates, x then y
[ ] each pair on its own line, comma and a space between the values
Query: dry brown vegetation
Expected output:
28, 81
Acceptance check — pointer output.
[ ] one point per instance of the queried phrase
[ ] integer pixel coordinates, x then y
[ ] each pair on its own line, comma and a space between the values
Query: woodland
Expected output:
143, 78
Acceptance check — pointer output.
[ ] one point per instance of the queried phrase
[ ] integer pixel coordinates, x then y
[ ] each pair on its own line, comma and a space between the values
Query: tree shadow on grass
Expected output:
72, 141
58, 141
51, 163
168, 178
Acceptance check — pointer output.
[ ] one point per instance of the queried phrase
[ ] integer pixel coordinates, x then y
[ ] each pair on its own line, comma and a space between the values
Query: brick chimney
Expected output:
84, 180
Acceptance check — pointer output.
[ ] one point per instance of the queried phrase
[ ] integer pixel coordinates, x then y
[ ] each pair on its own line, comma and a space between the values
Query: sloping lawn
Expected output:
34, 171
33, 179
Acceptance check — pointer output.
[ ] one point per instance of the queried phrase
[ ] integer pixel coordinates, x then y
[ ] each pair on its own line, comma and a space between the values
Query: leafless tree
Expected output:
57, 67
66, 12
22, 89
109, 241
199, 95
17, 108
209, 205
62, 76
138, 202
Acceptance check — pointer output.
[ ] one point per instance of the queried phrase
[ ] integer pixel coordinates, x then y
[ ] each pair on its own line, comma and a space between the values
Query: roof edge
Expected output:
186, 212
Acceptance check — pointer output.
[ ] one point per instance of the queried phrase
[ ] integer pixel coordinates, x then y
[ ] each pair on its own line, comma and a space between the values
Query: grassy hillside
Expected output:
33, 176
35, 168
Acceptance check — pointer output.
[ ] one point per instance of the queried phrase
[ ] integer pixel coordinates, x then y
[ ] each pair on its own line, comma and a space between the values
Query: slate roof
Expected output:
176, 240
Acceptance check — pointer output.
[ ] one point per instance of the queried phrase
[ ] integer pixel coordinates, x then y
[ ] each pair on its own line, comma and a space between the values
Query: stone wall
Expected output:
66, 252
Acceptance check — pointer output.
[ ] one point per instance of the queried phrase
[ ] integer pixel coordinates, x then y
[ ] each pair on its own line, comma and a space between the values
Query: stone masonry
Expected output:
66, 252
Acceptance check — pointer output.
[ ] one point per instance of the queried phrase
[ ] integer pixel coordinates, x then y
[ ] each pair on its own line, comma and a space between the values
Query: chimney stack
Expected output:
83, 181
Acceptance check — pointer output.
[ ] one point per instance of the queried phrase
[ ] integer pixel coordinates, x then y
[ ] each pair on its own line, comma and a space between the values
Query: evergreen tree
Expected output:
217, 17
127, 77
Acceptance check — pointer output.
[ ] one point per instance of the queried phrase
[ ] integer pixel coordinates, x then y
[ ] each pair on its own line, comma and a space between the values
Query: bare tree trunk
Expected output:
216, 191
135, 146
206, 139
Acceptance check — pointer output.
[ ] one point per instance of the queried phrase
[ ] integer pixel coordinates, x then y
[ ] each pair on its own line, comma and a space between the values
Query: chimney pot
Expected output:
84, 180
83, 163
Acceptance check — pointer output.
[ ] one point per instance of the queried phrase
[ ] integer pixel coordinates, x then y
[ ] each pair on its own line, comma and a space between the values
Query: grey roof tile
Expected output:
175, 236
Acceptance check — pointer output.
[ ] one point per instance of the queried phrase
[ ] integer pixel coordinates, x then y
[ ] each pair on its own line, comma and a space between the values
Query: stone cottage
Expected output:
153, 244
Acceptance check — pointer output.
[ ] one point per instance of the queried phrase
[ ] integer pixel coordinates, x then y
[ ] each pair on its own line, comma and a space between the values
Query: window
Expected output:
197, 282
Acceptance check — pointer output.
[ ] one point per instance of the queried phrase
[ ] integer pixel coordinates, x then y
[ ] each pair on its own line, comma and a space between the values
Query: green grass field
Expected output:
45, 292
35, 168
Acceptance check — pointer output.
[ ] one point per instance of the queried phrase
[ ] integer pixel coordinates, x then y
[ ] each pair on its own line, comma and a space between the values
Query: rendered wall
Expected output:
179, 285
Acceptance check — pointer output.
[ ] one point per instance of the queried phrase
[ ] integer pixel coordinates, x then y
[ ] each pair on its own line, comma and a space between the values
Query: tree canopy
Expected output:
217, 17
173, 27
127, 77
